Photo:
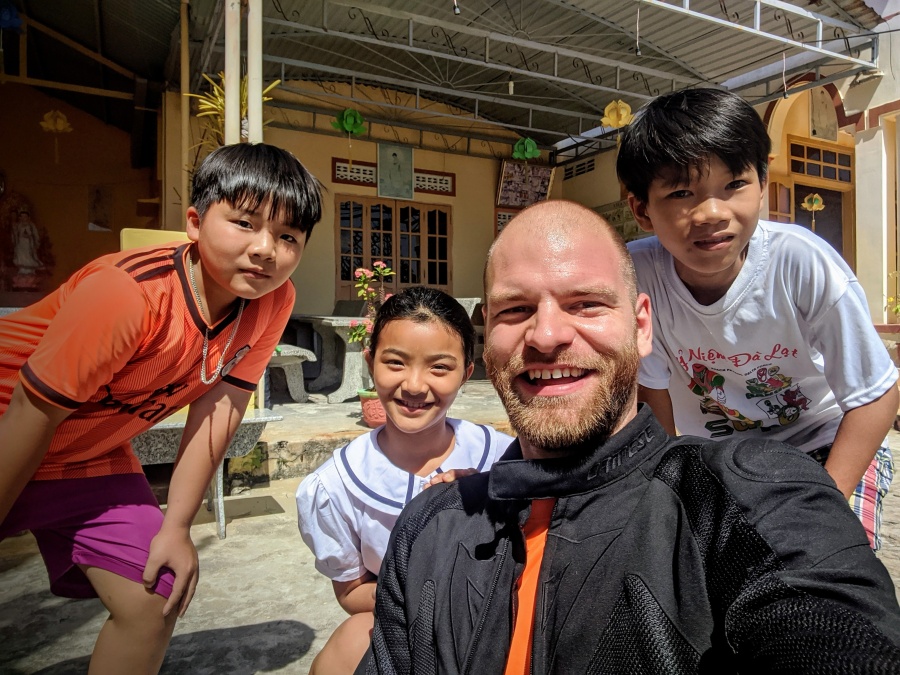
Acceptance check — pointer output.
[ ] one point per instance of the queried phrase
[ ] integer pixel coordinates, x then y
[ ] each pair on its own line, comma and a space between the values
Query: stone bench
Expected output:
159, 445
290, 359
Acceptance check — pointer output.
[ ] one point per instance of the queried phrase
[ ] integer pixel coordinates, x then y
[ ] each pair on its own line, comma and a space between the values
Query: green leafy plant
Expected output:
366, 281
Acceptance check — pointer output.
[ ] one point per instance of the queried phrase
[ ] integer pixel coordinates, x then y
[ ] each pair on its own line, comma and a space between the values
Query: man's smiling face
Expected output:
563, 335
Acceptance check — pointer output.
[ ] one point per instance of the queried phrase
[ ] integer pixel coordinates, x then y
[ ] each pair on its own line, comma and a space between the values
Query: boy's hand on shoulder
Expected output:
173, 548
449, 477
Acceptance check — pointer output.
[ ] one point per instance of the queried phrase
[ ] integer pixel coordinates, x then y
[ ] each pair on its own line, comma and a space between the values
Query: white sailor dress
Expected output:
348, 506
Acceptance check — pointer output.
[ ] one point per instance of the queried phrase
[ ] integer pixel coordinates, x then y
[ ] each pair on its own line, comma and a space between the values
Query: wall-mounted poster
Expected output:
523, 184
395, 171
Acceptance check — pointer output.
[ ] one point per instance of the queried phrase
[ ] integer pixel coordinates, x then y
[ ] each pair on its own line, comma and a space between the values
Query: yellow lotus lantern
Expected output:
812, 203
617, 115
55, 122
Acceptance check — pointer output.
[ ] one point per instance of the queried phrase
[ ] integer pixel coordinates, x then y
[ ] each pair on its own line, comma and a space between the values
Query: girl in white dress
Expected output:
420, 354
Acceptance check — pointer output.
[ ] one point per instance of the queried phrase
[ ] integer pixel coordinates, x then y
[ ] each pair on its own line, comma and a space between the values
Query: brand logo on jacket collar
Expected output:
641, 441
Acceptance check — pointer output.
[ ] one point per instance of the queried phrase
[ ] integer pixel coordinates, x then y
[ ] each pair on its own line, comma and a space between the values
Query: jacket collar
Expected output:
516, 478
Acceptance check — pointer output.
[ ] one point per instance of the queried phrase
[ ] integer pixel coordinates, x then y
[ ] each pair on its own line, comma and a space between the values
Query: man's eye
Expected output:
245, 224
737, 184
289, 238
679, 194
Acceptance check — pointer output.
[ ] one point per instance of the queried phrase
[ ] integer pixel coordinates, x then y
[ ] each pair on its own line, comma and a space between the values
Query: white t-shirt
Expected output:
784, 353
348, 506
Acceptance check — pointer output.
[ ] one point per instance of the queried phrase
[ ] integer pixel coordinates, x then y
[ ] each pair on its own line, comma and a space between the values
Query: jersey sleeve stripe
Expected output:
124, 260
31, 380
148, 261
240, 384
149, 274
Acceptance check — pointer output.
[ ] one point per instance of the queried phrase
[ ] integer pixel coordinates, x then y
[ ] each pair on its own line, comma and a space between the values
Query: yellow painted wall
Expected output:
791, 118
93, 153
472, 207
597, 188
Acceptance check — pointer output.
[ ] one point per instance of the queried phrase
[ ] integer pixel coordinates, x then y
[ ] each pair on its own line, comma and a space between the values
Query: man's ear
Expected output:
367, 355
643, 317
192, 223
639, 209
763, 192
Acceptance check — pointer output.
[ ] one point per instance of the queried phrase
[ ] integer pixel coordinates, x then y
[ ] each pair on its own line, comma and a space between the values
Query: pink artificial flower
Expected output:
354, 324
369, 327
379, 264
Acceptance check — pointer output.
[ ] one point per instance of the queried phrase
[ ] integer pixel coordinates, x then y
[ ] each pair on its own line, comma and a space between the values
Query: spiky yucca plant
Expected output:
212, 108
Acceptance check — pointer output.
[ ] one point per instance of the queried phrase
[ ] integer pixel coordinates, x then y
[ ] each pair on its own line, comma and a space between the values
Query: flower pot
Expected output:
372, 410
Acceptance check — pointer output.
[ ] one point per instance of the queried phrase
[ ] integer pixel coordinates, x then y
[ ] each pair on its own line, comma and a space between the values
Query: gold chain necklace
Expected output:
234, 328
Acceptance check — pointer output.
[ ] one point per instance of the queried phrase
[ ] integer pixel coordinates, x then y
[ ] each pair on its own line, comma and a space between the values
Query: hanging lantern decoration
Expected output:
813, 203
350, 121
617, 115
525, 149
55, 122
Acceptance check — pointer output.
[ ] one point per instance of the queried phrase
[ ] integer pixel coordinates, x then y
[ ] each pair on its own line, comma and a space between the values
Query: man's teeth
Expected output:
555, 374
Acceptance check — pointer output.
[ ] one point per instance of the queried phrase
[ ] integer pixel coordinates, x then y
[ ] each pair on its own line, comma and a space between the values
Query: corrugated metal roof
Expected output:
567, 58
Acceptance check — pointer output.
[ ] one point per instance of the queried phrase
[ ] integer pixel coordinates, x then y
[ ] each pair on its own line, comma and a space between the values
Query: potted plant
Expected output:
370, 287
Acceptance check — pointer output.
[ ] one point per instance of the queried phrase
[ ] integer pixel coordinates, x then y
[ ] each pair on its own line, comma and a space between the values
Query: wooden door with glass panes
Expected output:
411, 238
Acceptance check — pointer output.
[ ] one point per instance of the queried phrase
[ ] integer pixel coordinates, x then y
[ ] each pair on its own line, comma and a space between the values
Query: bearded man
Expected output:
599, 544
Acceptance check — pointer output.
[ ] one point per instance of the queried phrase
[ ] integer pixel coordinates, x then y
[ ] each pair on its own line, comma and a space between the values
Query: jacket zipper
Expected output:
543, 558
487, 605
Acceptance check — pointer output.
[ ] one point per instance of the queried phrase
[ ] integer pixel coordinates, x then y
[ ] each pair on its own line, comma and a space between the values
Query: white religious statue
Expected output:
26, 240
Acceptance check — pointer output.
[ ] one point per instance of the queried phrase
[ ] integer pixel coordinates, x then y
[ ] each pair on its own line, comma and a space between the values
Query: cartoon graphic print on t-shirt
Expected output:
778, 400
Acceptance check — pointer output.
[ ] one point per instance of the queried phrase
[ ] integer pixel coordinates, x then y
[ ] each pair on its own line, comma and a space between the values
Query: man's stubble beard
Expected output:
555, 423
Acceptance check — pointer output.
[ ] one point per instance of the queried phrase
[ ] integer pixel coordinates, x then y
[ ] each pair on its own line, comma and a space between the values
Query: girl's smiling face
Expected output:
418, 368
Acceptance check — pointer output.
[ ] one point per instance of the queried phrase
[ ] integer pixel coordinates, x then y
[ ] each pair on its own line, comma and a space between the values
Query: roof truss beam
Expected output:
584, 120
375, 119
502, 68
820, 21
595, 18
494, 37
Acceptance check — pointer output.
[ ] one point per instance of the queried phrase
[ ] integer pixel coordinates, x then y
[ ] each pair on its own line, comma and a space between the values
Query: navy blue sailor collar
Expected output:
514, 478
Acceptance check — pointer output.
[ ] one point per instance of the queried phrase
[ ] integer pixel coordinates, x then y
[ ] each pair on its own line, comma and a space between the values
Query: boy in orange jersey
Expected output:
129, 339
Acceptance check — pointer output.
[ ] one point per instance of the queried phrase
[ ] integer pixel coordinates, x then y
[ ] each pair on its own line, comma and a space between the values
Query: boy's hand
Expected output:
449, 477
174, 549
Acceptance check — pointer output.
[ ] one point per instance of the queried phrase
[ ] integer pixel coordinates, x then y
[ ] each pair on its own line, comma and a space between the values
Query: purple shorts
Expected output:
104, 522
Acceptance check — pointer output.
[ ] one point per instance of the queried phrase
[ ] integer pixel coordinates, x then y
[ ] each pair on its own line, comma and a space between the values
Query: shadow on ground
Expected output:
241, 650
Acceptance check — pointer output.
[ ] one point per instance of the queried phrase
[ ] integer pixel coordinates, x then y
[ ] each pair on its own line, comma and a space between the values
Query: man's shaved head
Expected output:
561, 217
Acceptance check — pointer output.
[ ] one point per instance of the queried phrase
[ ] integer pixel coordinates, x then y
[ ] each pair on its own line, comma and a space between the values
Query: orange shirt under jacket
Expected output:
120, 344
536, 528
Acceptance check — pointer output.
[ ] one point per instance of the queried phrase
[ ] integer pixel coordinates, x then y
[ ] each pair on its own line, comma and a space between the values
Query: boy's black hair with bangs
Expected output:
248, 175
675, 135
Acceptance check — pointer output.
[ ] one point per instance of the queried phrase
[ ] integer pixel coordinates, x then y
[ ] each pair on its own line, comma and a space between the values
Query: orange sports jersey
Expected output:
120, 344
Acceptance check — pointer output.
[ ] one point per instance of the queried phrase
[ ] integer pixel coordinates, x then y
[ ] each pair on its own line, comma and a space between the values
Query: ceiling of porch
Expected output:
539, 68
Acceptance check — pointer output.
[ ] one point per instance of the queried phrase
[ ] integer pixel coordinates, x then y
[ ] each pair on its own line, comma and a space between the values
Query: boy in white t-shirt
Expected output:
758, 328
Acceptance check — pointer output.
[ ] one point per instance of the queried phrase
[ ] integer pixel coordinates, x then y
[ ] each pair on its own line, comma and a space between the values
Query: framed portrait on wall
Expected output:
523, 184
395, 171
